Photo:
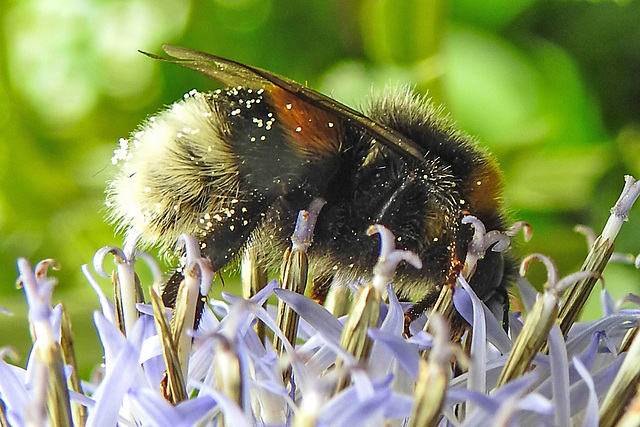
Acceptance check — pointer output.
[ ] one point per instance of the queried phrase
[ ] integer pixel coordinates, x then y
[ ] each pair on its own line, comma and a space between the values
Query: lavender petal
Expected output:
608, 303
478, 363
13, 393
495, 333
559, 375
111, 391
527, 292
406, 354
152, 409
591, 414
316, 315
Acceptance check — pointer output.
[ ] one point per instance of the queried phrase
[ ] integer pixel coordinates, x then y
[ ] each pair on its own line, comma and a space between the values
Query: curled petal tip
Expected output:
389, 257
496, 240
376, 229
43, 266
387, 239
189, 244
525, 226
479, 230
10, 353
471, 219
409, 257
588, 232
552, 270
98, 259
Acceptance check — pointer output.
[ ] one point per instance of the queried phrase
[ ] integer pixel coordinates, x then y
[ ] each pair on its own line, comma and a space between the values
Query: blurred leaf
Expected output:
556, 179
81, 51
491, 14
568, 108
628, 144
406, 34
492, 89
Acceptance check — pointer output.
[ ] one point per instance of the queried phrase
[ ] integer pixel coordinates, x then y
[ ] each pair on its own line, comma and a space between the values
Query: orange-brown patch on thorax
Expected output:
483, 189
313, 131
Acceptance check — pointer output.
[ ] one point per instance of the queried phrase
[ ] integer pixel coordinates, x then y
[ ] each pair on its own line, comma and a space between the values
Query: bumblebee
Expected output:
235, 166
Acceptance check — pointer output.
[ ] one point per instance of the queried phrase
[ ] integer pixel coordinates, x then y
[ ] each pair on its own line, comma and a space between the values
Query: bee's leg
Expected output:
491, 280
320, 288
170, 290
170, 294
221, 244
505, 311
336, 298
417, 309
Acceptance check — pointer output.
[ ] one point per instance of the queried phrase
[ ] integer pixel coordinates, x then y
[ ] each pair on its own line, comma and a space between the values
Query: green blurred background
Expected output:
552, 88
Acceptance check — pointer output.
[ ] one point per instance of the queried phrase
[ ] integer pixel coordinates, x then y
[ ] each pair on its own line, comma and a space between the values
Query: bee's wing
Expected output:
231, 73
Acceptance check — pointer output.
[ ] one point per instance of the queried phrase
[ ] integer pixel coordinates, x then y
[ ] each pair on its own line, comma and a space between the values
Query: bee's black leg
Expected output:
170, 290
220, 246
170, 294
417, 309
505, 311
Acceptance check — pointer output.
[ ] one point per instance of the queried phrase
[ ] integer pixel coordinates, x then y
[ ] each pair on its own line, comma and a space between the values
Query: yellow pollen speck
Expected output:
288, 106
435, 239
330, 124
478, 182
299, 129
462, 201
